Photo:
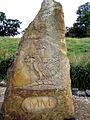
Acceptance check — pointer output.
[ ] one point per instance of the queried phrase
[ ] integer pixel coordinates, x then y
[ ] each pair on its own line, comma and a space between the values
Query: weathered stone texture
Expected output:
41, 68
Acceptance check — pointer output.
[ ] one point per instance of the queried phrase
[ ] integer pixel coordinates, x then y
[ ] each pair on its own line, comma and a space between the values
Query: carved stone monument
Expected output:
39, 86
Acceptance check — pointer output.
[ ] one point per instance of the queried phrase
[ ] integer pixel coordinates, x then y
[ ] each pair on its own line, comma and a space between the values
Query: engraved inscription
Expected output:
32, 104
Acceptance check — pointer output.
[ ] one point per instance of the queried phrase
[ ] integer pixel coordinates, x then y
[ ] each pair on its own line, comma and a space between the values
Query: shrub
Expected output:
4, 65
80, 75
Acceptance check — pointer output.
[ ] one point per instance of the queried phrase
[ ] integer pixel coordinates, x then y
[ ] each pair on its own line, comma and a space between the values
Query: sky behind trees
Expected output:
26, 10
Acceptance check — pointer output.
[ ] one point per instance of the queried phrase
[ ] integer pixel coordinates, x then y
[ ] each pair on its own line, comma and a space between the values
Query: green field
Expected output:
8, 47
78, 53
78, 48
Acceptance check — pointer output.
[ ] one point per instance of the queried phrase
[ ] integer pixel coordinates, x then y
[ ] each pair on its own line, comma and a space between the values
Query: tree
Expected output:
82, 26
2, 23
8, 27
83, 19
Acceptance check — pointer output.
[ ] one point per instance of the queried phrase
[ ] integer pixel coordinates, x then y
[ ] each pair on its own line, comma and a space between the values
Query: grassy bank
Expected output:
8, 47
78, 53
78, 49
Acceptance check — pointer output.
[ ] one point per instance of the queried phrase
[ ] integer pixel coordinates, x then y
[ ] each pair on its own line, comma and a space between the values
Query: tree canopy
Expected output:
82, 26
8, 27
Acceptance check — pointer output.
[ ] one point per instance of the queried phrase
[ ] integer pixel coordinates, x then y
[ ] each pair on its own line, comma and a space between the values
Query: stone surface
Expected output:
37, 104
3, 84
2, 92
82, 94
88, 93
41, 69
82, 108
75, 91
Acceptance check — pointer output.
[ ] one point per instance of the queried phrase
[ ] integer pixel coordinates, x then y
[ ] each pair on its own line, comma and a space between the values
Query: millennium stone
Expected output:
39, 85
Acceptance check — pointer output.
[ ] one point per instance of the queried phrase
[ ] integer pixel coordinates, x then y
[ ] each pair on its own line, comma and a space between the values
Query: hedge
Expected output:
80, 76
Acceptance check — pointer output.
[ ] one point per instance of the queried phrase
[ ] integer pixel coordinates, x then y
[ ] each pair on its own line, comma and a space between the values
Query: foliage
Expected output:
8, 27
8, 47
80, 76
82, 26
78, 49
4, 65
79, 55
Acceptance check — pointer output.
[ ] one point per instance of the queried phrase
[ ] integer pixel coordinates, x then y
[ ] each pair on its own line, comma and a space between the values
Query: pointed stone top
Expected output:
50, 12
47, 2
50, 3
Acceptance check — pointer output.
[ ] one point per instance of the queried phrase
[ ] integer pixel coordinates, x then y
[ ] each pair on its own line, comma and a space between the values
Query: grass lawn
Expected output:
78, 48
8, 47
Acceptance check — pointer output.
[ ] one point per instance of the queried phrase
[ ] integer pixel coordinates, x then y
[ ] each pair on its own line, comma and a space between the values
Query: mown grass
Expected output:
8, 47
78, 48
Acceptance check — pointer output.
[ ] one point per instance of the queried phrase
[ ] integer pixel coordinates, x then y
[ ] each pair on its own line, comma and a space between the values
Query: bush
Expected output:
80, 75
4, 65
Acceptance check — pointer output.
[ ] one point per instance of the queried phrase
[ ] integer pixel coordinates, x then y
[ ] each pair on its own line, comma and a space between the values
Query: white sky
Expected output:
26, 10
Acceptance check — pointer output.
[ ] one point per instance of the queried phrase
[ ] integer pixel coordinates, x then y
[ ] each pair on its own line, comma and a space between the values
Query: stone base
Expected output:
13, 110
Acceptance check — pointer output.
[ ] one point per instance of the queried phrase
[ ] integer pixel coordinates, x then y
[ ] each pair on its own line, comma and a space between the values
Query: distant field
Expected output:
8, 47
78, 49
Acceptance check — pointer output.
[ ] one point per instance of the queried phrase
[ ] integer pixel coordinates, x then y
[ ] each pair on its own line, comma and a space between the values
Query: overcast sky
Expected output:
26, 10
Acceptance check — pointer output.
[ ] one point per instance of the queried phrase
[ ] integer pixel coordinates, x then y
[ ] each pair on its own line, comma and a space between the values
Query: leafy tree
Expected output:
70, 32
2, 16
8, 27
83, 19
82, 26
2, 23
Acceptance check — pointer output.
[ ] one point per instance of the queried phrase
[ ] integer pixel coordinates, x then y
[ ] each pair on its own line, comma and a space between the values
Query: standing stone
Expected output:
39, 86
